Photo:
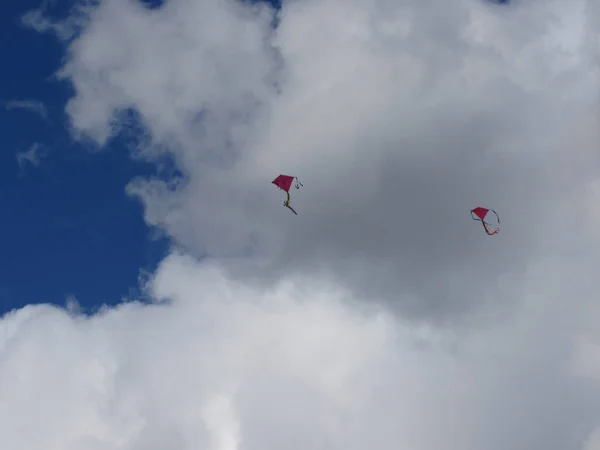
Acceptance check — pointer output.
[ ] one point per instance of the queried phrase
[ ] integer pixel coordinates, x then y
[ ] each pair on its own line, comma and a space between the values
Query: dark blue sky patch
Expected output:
153, 4
68, 226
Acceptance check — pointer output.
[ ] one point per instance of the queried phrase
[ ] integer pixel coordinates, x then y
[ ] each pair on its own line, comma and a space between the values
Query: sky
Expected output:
68, 218
156, 294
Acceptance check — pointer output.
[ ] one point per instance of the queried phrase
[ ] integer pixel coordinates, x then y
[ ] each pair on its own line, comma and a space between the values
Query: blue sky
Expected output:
68, 226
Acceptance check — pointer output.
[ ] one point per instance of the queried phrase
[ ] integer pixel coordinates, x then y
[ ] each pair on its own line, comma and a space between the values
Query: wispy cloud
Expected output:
72, 304
32, 156
41, 21
29, 105
35, 19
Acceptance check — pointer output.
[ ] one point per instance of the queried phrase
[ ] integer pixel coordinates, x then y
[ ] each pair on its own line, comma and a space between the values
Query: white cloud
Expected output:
398, 117
295, 366
28, 105
72, 304
33, 155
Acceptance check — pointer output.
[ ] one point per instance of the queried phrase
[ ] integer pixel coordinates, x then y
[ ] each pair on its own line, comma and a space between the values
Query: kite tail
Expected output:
488, 230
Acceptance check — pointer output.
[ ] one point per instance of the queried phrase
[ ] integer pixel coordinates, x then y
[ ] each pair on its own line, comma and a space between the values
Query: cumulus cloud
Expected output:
226, 366
400, 119
381, 314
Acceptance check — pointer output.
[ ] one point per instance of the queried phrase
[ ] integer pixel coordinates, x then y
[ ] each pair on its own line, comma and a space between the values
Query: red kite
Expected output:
285, 182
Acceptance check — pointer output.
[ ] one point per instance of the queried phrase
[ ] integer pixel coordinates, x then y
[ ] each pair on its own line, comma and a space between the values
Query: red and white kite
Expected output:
482, 214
